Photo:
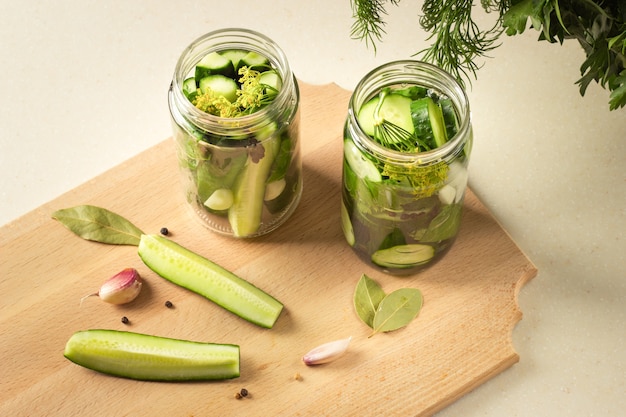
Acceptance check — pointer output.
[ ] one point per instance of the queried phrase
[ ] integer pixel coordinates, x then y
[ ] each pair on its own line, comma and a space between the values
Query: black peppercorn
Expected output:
244, 392
164, 231
169, 304
125, 320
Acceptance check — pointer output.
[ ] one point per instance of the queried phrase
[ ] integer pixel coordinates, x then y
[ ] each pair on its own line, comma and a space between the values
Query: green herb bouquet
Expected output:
457, 41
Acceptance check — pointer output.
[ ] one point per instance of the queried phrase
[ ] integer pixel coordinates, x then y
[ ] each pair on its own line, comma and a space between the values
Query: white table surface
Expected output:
83, 87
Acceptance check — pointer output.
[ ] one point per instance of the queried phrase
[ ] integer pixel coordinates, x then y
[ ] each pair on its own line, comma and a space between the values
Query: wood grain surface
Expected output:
461, 338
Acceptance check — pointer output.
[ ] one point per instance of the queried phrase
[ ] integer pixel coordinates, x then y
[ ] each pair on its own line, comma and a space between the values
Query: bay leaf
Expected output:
445, 225
397, 310
395, 238
367, 296
99, 225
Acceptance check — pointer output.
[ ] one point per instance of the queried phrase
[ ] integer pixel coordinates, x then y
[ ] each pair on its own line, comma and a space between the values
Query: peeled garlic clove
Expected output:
327, 352
274, 189
221, 199
121, 288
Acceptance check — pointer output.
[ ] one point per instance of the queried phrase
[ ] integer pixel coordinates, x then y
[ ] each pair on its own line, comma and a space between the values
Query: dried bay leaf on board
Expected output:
367, 296
397, 310
99, 225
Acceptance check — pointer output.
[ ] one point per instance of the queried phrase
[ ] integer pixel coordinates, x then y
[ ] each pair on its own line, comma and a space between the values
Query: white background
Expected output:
83, 87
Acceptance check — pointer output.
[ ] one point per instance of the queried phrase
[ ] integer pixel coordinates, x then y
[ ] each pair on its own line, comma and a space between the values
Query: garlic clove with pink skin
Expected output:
121, 288
327, 352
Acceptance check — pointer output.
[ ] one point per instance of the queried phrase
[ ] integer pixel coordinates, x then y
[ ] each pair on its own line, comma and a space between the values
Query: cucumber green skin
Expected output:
151, 358
421, 120
437, 123
254, 61
214, 63
235, 56
202, 276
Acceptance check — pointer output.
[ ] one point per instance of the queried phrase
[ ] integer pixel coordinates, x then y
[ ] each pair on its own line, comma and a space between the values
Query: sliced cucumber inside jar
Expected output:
403, 256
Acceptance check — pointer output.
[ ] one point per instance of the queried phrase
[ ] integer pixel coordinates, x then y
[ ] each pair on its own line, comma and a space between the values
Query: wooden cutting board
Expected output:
461, 339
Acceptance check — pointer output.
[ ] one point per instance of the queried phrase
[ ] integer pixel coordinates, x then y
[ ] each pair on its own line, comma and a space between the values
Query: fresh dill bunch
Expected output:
457, 41
424, 180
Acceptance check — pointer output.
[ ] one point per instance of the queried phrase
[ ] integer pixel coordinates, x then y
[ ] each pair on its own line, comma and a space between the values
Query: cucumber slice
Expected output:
189, 86
272, 81
365, 117
202, 276
235, 56
220, 84
255, 61
151, 358
436, 122
403, 256
213, 63
421, 120
429, 122
449, 117
394, 109
362, 167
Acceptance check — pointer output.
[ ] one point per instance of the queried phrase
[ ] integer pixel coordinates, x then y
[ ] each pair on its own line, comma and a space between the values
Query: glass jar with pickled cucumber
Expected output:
407, 144
234, 104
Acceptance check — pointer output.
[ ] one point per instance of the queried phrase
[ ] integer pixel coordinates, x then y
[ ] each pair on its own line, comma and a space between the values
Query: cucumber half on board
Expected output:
151, 358
202, 276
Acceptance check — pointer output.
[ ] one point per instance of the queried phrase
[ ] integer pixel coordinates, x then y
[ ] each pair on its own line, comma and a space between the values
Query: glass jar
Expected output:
401, 208
241, 175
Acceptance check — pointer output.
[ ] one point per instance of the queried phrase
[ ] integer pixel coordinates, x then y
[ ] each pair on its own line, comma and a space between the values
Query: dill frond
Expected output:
457, 40
368, 24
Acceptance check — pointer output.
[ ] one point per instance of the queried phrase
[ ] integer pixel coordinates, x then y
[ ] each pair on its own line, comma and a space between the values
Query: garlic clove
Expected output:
121, 288
327, 352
